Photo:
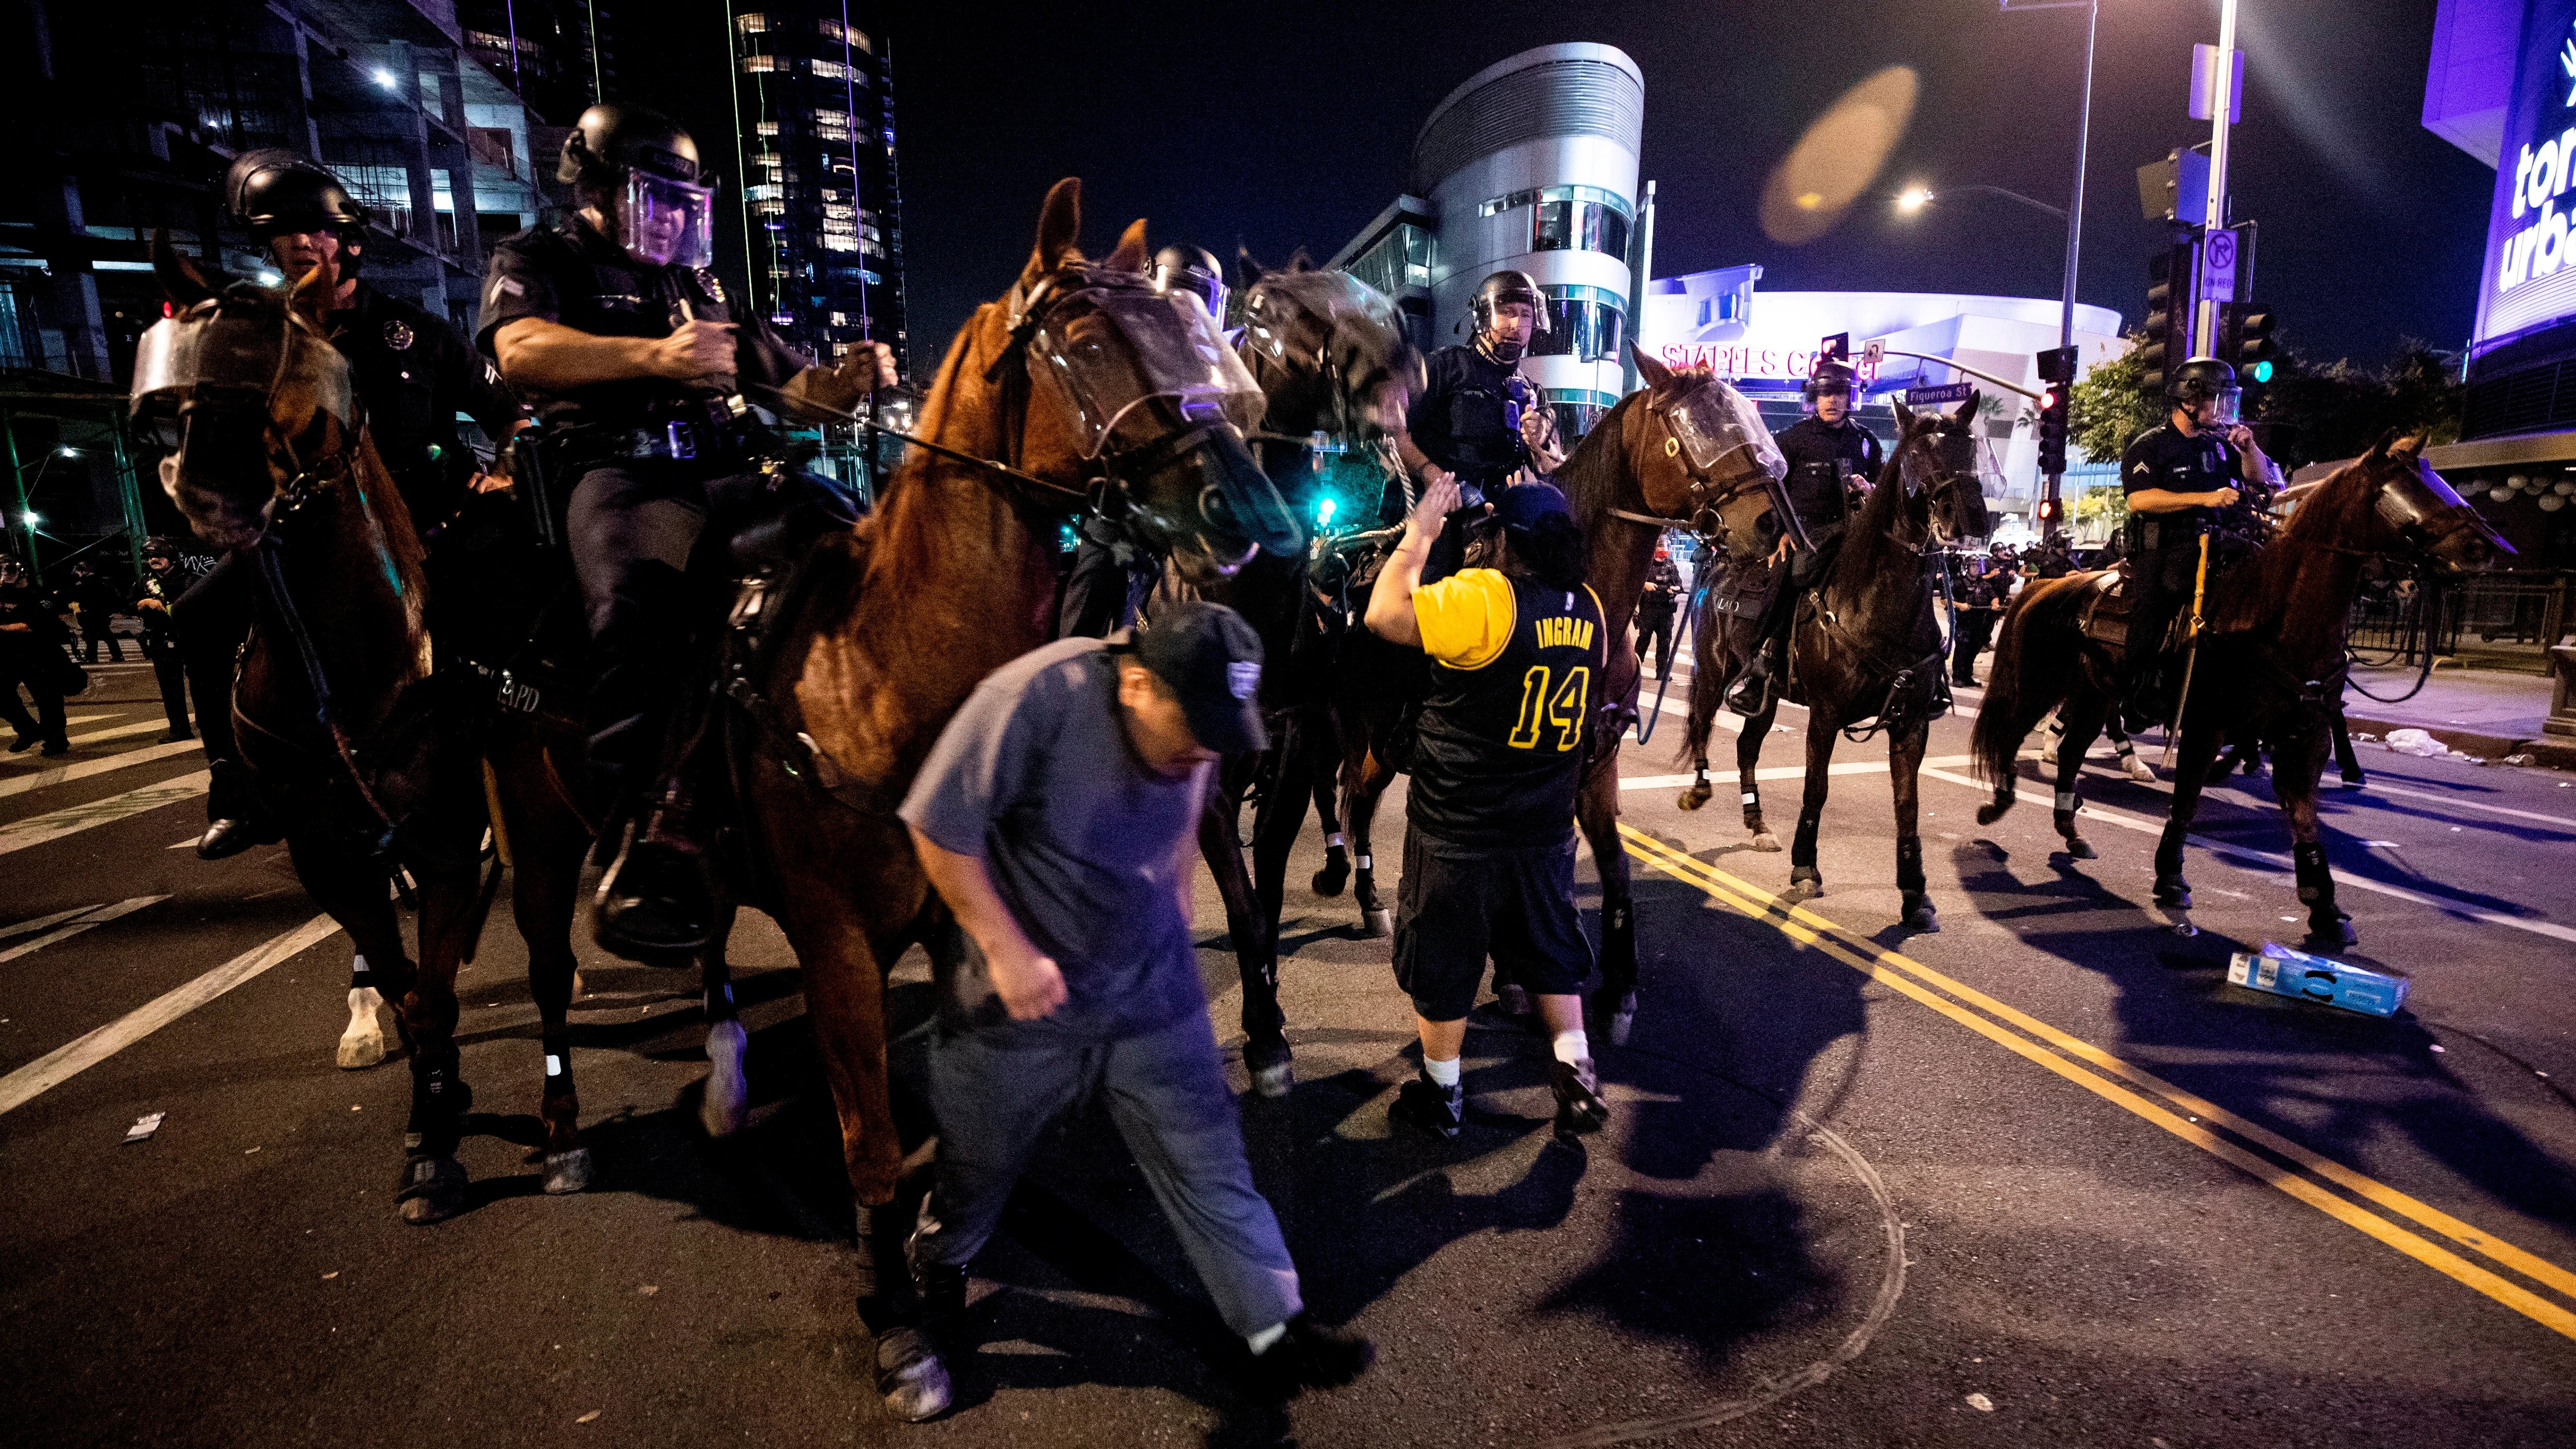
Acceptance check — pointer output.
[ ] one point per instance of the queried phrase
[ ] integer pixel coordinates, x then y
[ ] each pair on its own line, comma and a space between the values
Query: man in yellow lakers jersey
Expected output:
1517, 656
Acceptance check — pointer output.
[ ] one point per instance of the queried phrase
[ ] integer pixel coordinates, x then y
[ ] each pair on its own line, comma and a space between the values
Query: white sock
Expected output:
1261, 1341
1444, 1074
1573, 1046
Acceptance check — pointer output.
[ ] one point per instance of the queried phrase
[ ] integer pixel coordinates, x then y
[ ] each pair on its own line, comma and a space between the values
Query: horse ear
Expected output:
179, 276
2397, 443
1059, 227
1299, 261
1904, 415
1966, 409
1247, 270
311, 296
1132, 251
1655, 373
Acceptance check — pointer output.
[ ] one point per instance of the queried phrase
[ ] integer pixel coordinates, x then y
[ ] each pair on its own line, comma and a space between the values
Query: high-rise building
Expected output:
821, 200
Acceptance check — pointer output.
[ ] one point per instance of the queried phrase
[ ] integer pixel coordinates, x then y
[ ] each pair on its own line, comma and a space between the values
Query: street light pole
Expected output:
2055, 504
2204, 331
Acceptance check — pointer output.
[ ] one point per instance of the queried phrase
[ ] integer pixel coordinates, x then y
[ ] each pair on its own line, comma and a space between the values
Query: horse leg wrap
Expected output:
1619, 946
2316, 883
2171, 889
719, 1002
1909, 864
1802, 850
439, 1102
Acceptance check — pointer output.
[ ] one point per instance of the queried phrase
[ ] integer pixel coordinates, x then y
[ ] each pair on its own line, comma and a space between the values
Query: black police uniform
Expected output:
1821, 457
1655, 608
36, 657
649, 463
2164, 548
161, 638
1463, 422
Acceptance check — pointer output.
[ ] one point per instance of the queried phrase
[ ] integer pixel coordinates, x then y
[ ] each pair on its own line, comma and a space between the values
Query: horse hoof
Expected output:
2173, 893
1695, 797
432, 1191
911, 1376
1765, 841
2079, 848
1989, 813
1921, 917
1805, 883
1620, 1019
728, 1099
2332, 935
1330, 880
567, 1172
1378, 921
363, 1044
1273, 1067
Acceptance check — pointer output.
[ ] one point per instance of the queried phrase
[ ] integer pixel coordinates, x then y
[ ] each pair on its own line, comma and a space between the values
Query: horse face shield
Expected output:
1162, 403
1723, 439
203, 386
2440, 525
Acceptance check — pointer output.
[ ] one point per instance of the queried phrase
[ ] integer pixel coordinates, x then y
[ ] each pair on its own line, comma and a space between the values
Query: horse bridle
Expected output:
1706, 497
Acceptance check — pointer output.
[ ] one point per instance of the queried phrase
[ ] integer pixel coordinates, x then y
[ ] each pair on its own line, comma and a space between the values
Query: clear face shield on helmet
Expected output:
666, 223
2230, 409
1131, 345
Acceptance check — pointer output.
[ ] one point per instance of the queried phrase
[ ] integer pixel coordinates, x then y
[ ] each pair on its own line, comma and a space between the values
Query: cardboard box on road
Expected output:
2285, 972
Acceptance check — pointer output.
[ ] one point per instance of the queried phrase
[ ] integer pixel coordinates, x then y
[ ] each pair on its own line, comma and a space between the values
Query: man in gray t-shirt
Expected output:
1057, 817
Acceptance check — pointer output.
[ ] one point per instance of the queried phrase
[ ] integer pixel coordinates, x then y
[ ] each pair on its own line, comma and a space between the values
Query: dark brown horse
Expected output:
1332, 362
1866, 654
2270, 666
950, 578
355, 746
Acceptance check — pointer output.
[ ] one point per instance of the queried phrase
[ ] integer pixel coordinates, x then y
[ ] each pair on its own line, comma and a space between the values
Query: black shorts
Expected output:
1458, 905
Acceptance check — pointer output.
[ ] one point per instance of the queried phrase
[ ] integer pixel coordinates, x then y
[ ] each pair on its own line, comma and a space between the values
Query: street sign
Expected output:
1838, 345
2218, 267
1948, 392
2204, 75
1873, 352
2058, 364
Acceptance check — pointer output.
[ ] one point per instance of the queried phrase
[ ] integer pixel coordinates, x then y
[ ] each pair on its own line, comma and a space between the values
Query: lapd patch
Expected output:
1242, 678
398, 335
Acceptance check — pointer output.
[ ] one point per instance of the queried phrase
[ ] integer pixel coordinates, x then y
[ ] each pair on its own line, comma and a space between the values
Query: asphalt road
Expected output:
2042, 1177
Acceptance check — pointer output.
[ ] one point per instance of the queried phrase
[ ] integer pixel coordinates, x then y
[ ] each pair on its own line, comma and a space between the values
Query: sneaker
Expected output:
1579, 1107
1310, 1355
1427, 1106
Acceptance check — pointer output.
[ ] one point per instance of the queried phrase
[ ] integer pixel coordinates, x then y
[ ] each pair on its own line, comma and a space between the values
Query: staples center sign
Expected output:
1757, 359
2529, 281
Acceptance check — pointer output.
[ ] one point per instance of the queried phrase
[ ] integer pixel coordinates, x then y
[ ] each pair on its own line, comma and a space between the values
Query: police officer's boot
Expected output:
653, 905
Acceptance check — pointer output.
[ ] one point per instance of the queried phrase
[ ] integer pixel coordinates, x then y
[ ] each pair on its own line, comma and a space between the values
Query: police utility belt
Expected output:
2155, 535
544, 470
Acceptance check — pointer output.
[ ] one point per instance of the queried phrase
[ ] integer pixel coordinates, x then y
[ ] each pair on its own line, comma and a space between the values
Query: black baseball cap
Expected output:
1210, 660
1523, 505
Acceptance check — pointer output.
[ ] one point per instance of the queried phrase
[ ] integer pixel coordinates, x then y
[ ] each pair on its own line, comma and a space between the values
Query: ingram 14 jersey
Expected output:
1515, 677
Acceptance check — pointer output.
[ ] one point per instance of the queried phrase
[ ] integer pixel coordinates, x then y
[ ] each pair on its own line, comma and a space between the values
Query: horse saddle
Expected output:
1744, 588
2109, 599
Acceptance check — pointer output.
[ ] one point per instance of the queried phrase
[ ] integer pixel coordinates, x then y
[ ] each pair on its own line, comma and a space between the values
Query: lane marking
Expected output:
2113, 815
71, 1059
1898, 972
1784, 772
121, 731
65, 774
98, 917
20, 928
2375, 788
38, 829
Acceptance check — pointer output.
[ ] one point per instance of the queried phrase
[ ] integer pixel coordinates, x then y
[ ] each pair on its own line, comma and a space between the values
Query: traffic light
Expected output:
2247, 343
2053, 401
2168, 321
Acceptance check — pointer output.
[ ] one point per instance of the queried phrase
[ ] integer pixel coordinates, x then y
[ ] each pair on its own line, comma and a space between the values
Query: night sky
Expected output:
1223, 123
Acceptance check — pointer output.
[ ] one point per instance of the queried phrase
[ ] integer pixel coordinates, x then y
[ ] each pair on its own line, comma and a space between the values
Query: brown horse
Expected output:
354, 745
2270, 665
1866, 653
949, 579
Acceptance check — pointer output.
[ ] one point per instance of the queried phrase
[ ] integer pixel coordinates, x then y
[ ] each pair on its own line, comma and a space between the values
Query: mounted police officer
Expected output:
1110, 576
607, 319
1831, 459
412, 373
1479, 421
2183, 478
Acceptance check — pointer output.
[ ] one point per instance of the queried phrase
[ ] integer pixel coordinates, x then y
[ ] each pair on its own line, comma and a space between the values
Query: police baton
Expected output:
2191, 652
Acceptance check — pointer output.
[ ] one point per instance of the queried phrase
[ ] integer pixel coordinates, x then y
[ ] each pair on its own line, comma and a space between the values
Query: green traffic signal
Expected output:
2262, 371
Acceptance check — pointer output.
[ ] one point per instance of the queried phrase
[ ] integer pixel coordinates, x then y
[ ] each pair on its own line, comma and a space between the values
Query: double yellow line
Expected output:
2295, 1170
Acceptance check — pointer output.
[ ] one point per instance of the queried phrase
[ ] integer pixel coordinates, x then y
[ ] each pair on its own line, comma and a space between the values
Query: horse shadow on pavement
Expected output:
2337, 1082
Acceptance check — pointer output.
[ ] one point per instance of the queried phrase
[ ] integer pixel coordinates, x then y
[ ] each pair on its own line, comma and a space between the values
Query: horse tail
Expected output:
2037, 659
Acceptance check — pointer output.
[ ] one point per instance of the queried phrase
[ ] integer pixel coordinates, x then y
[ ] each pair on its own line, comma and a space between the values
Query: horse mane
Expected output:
2337, 510
1589, 478
1870, 545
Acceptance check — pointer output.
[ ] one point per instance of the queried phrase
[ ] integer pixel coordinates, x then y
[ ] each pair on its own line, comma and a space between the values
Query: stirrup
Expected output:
1750, 693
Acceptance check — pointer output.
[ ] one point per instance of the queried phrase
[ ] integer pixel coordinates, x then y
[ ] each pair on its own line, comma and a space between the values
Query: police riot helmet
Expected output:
1195, 270
641, 168
161, 545
1508, 286
2201, 379
1832, 375
273, 190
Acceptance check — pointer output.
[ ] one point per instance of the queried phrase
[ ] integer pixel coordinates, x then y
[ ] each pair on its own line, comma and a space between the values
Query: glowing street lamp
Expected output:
1913, 199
